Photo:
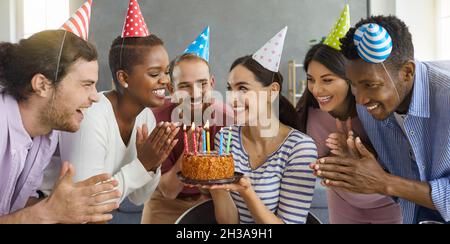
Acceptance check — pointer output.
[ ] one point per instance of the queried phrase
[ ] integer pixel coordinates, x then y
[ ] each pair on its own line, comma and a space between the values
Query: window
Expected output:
443, 29
39, 15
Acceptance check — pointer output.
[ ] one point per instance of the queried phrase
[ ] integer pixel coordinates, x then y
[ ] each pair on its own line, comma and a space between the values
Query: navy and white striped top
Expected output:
427, 127
284, 182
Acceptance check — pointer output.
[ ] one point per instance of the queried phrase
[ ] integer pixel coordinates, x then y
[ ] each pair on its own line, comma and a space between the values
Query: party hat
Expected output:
339, 30
373, 43
200, 46
269, 56
79, 22
135, 25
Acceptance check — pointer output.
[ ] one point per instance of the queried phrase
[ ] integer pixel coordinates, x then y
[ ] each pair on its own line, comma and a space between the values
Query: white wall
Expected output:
421, 18
443, 30
7, 20
382, 7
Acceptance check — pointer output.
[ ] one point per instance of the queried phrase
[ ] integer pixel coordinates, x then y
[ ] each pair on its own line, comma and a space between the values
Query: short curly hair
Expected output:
402, 50
131, 52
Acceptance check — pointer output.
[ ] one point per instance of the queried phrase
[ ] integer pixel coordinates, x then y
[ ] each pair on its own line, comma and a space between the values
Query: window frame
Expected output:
20, 18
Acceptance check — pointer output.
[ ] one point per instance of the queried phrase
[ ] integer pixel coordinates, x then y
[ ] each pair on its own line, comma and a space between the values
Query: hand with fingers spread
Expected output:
360, 173
337, 142
153, 149
82, 202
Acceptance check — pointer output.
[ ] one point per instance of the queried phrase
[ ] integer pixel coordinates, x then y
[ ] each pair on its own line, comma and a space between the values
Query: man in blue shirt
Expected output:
404, 107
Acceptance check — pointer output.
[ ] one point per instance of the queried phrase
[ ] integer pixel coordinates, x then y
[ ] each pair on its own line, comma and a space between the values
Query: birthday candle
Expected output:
194, 138
208, 144
221, 142
186, 145
204, 140
229, 140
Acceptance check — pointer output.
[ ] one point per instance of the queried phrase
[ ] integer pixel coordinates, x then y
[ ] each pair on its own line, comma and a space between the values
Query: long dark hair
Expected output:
266, 77
39, 54
334, 61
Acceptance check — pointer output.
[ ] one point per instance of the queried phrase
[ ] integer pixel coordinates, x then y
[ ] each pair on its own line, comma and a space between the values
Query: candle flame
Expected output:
184, 127
193, 126
207, 125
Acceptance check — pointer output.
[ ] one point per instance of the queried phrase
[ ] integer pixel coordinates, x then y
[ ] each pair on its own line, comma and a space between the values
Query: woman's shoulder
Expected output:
100, 114
102, 107
298, 142
147, 116
319, 118
298, 136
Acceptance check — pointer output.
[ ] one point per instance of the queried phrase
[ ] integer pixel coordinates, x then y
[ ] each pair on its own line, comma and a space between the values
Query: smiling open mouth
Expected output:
373, 107
159, 92
81, 110
324, 99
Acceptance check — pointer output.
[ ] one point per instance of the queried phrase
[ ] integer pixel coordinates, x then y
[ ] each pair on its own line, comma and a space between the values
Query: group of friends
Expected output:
373, 125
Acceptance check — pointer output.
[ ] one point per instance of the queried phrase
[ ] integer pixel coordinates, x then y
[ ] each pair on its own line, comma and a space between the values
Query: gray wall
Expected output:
238, 27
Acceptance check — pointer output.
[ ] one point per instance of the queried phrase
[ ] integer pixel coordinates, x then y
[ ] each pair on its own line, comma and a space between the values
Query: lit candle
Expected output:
204, 140
229, 140
208, 144
194, 138
186, 145
221, 143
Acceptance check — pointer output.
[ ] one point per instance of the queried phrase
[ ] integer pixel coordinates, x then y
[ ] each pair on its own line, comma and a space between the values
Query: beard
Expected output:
59, 115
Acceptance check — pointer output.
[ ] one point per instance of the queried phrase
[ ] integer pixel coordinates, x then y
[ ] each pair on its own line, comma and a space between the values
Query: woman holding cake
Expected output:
113, 137
272, 154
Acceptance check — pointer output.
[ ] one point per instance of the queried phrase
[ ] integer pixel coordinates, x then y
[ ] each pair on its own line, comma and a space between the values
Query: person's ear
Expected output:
274, 91
122, 77
407, 72
213, 81
41, 85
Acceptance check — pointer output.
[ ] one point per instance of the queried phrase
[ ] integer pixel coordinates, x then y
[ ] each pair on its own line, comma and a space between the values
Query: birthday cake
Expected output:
207, 166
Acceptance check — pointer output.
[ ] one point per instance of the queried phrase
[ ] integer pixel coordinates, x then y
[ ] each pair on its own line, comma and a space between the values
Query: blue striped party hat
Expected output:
373, 43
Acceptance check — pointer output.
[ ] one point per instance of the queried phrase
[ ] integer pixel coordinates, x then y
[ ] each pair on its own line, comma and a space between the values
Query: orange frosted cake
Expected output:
207, 167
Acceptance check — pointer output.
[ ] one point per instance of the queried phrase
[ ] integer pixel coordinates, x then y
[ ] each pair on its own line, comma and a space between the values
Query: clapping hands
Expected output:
153, 149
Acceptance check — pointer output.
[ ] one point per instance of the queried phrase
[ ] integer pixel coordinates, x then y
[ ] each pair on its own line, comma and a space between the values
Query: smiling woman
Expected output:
114, 136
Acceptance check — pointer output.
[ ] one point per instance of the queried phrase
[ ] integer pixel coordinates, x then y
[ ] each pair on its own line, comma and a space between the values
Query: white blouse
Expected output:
98, 148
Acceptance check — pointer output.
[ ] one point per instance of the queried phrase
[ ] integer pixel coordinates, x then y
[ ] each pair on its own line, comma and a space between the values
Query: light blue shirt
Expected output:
427, 139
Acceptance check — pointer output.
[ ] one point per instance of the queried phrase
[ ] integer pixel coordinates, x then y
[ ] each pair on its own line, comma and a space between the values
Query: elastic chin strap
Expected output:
59, 56
392, 81
121, 52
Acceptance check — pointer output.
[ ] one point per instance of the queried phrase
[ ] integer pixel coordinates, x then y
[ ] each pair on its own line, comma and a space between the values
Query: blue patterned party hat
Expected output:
200, 46
373, 43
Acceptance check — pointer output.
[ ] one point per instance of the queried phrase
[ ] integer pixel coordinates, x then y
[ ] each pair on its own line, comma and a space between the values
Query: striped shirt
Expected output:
284, 182
423, 152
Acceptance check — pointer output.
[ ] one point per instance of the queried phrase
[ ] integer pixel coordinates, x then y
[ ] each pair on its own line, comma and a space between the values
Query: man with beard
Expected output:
192, 85
48, 81
403, 106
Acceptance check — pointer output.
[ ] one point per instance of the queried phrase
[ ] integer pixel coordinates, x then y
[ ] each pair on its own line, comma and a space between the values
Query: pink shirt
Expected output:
164, 114
319, 125
22, 158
